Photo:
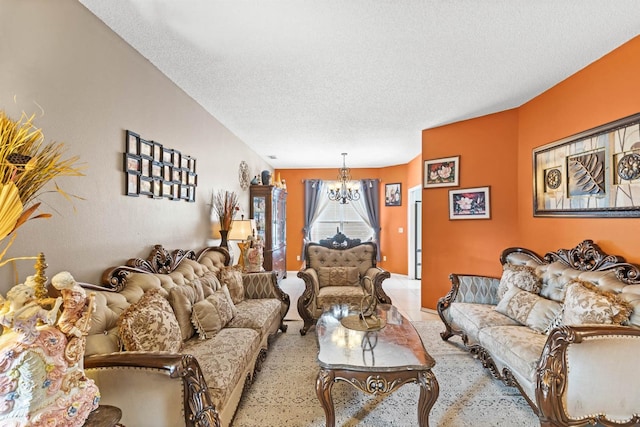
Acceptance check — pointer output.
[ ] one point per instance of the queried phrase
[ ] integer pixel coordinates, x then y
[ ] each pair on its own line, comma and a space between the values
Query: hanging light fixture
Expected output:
344, 193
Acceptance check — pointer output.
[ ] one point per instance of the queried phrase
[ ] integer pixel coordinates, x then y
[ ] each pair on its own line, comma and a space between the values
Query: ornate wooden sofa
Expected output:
563, 328
201, 383
335, 273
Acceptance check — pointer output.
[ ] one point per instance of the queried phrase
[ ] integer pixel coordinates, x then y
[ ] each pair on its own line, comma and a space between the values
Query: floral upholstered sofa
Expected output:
177, 337
563, 328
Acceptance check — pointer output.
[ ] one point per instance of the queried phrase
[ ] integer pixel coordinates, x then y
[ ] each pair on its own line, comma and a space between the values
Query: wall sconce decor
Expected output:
154, 170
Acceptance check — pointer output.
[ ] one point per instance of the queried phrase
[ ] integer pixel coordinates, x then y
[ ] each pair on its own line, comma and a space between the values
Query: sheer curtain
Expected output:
314, 204
368, 207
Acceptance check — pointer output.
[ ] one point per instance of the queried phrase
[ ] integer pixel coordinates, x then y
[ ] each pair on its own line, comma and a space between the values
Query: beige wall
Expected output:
93, 86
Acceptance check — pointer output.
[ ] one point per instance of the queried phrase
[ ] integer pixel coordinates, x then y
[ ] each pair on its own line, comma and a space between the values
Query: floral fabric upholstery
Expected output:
224, 358
517, 346
528, 309
257, 314
332, 295
585, 304
471, 318
150, 325
521, 276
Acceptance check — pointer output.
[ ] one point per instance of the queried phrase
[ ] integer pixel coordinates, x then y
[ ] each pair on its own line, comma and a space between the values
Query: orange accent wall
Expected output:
393, 244
496, 150
488, 150
604, 91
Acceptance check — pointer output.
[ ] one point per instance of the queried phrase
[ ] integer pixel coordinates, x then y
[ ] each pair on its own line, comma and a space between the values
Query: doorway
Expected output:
415, 233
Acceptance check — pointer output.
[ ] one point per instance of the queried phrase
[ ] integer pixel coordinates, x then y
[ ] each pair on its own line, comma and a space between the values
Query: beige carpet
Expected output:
283, 393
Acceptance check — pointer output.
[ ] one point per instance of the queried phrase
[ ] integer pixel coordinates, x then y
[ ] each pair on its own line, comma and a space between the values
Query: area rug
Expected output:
283, 393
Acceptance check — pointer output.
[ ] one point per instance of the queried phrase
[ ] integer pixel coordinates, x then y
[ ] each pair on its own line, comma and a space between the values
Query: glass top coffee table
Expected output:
375, 362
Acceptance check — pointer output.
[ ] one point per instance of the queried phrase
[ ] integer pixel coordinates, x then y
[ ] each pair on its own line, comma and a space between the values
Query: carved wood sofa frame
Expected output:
199, 410
552, 371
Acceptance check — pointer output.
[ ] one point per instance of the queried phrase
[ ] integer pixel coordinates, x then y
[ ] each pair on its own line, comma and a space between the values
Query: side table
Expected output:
104, 416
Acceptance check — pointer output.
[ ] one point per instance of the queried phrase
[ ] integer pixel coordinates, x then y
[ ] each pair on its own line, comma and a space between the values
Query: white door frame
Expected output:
415, 195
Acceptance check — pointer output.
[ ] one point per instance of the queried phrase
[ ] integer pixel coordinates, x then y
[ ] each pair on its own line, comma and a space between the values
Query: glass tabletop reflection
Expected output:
395, 346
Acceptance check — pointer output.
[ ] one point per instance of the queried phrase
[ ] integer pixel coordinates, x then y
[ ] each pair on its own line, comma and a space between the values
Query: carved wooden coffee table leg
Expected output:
429, 391
324, 383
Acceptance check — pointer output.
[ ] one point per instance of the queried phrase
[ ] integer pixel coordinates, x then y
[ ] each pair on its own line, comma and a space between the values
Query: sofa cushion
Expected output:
528, 308
332, 295
522, 276
338, 276
232, 277
256, 314
211, 314
224, 358
182, 298
472, 317
585, 304
150, 325
518, 347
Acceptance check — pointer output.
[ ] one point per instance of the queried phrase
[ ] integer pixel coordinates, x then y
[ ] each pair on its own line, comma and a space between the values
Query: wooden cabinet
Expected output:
269, 210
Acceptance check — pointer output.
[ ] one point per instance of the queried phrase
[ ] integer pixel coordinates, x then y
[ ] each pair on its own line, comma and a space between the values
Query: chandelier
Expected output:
344, 193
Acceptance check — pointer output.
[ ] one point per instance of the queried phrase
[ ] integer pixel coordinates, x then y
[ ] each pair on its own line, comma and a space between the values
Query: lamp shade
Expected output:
241, 229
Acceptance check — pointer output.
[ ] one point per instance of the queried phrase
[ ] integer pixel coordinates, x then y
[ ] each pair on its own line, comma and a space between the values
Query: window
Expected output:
345, 218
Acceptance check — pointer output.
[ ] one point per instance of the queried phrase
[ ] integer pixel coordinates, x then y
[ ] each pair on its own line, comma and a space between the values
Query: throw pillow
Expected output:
522, 276
338, 276
528, 309
210, 315
232, 277
150, 325
585, 303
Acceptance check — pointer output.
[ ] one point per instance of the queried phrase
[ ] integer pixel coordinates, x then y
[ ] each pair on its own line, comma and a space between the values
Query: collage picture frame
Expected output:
156, 171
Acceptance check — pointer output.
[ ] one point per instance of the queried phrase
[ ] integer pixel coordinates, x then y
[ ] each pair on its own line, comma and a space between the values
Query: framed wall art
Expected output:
595, 173
443, 172
470, 203
154, 170
393, 194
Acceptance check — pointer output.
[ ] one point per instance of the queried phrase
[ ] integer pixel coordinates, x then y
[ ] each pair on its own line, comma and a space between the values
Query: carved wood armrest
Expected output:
575, 355
199, 409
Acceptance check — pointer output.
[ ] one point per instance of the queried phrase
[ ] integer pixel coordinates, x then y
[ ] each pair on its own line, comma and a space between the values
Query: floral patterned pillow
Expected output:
585, 303
150, 325
338, 276
232, 277
528, 309
522, 276
211, 314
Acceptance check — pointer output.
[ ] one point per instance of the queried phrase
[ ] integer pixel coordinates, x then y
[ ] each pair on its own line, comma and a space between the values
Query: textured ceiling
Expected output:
305, 80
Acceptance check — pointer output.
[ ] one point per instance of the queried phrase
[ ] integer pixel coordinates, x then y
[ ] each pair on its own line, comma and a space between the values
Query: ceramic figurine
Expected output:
41, 382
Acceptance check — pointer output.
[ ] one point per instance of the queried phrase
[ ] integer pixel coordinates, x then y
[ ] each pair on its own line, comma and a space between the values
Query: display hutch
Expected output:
268, 209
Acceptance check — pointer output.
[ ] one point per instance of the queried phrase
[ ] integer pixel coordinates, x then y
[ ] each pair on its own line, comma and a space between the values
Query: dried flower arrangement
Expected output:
27, 163
225, 204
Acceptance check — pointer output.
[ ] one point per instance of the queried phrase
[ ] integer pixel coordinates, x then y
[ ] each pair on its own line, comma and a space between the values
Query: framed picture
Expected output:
595, 173
133, 184
145, 186
443, 172
133, 142
146, 148
157, 151
469, 203
393, 194
132, 163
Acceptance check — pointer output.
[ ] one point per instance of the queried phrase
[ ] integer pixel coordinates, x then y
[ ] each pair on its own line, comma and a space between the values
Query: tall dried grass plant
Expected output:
225, 204
27, 164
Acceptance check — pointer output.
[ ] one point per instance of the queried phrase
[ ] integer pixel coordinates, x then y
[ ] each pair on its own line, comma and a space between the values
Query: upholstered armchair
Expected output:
337, 275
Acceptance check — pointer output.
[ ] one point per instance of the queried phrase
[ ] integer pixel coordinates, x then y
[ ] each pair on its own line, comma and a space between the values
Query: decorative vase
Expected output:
224, 243
266, 177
